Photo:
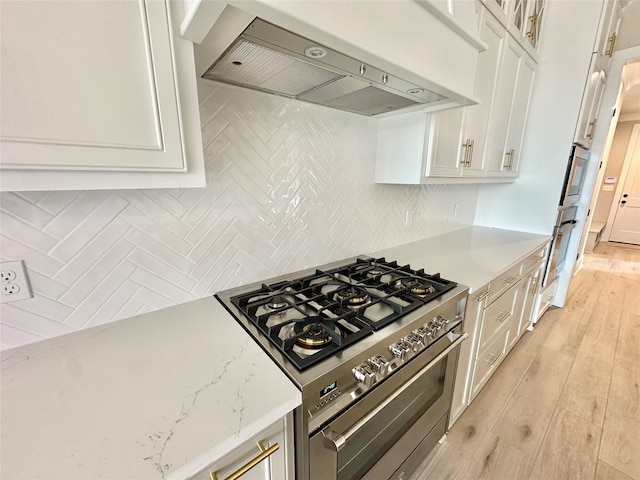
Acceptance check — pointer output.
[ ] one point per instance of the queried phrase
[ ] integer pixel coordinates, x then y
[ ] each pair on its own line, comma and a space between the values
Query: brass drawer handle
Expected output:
495, 359
510, 280
264, 453
482, 295
592, 127
612, 43
503, 316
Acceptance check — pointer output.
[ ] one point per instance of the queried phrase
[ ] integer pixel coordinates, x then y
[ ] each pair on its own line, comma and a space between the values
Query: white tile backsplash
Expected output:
289, 186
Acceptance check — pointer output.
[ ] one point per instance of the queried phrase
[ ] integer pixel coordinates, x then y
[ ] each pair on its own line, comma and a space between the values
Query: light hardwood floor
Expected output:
565, 403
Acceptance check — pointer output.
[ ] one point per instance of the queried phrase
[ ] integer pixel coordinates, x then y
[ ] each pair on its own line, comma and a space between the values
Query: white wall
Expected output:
290, 186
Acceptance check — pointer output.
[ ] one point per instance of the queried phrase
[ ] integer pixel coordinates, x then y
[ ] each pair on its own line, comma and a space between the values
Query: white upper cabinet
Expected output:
512, 103
608, 33
97, 95
475, 144
473, 124
523, 18
591, 103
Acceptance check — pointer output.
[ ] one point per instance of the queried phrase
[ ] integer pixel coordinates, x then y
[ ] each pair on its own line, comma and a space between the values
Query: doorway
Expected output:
624, 216
609, 149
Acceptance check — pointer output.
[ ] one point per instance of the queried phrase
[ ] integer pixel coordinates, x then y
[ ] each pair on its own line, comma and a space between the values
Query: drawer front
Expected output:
496, 317
534, 260
272, 467
487, 363
503, 281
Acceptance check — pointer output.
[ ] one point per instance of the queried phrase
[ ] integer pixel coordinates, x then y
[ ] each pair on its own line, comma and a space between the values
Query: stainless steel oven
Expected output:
574, 176
565, 223
373, 347
388, 433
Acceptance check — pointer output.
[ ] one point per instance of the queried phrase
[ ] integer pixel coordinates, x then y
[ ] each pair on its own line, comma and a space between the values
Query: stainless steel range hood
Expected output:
270, 59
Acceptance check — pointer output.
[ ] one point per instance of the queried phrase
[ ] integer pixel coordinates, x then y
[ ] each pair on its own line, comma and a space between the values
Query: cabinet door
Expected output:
272, 467
92, 86
520, 107
459, 137
446, 155
479, 116
608, 32
526, 23
591, 104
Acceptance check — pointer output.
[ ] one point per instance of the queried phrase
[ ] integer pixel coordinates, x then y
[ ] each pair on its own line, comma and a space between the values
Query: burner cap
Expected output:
374, 272
276, 302
314, 334
415, 286
351, 296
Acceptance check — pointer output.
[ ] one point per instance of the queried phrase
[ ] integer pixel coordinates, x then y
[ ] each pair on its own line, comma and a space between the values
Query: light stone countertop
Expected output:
156, 396
162, 395
471, 256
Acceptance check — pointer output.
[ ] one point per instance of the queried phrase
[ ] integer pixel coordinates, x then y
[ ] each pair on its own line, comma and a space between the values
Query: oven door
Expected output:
560, 243
375, 437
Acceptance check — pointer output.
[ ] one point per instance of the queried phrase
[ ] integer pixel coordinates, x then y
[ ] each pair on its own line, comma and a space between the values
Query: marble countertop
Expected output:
470, 256
156, 396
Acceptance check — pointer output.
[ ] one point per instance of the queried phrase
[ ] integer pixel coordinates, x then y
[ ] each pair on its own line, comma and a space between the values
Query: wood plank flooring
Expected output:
565, 403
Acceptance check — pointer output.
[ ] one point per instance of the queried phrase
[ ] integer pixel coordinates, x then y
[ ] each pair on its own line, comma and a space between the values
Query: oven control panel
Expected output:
378, 367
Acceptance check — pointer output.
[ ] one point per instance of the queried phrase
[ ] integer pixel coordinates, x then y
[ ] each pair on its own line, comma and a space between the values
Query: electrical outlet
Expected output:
408, 218
457, 208
14, 283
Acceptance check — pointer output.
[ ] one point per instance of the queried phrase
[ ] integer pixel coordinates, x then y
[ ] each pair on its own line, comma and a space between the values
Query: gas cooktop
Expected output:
310, 317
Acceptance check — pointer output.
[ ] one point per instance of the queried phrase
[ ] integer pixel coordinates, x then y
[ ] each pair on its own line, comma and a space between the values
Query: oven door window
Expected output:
382, 431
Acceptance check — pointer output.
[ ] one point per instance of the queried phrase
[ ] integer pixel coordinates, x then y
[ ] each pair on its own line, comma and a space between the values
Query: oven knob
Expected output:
364, 374
414, 341
424, 333
380, 364
400, 350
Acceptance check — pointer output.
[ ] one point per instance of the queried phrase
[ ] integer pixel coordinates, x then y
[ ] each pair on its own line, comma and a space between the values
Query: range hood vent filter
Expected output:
371, 101
270, 59
250, 65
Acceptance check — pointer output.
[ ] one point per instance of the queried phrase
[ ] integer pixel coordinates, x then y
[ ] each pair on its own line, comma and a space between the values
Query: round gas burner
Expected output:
352, 296
415, 286
276, 302
313, 334
374, 272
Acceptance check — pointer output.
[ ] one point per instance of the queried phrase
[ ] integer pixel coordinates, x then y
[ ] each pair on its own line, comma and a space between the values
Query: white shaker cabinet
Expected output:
447, 146
473, 124
267, 456
504, 146
591, 103
97, 94
608, 32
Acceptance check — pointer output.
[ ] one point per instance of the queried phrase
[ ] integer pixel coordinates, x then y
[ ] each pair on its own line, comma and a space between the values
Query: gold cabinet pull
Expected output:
471, 153
264, 453
504, 316
482, 295
611, 41
467, 150
592, 127
495, 359
534, 24
509, 159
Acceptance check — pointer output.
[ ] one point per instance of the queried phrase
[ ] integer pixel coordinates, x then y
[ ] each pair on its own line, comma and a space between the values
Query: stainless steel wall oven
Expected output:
373, 347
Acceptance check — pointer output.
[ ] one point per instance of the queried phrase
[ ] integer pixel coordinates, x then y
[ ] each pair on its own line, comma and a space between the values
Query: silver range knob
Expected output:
364, 374
415, 341
379, 364
401, 350
424, 333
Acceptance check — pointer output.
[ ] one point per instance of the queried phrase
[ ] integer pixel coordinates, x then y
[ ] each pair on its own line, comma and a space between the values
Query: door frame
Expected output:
626, 166
602, 140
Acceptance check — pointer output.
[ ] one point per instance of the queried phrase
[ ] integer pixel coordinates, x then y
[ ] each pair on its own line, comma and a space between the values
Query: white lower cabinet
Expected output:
97, 95
496, 316
269, 455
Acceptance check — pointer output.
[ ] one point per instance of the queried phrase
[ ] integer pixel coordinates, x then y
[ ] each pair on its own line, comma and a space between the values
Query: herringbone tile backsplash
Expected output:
289, 186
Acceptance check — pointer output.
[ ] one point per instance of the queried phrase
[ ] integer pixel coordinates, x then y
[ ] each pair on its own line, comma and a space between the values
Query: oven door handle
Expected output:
338, 440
